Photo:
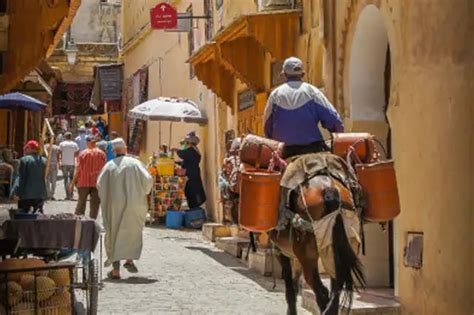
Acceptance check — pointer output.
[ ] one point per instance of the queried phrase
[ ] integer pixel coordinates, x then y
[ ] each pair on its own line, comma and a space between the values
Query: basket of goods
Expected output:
30, 286
179, 171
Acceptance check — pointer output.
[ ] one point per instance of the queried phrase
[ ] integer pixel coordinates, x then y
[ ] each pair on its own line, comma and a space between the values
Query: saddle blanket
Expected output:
323, 230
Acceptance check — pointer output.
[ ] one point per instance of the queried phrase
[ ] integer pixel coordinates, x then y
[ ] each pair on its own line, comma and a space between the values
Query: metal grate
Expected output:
413, 256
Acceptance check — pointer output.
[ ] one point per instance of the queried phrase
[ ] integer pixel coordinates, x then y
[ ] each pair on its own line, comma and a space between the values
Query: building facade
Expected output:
388, 68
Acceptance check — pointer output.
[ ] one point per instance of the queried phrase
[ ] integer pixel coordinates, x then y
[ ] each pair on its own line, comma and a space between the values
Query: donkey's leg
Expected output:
290, 291
313, 279
333, 306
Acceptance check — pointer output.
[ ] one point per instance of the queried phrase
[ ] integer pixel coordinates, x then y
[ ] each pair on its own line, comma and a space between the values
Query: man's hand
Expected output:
71, 188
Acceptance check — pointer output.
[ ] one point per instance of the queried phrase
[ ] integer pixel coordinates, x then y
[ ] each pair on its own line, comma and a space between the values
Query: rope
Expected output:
305, 204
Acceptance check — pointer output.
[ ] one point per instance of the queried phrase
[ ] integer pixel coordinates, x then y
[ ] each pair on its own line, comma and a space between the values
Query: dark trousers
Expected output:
84, 192
26, 204
294, 150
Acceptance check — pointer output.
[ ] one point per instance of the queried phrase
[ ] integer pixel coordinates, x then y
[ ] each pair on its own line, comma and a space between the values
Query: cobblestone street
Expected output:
182, 273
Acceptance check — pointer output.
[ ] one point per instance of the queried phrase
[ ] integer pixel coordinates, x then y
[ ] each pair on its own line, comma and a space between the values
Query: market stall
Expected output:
167, 199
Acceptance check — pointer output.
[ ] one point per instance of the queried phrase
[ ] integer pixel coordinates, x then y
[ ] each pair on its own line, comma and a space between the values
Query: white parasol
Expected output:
168, 109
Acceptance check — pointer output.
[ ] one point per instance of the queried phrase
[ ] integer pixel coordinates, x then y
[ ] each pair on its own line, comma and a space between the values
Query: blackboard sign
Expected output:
246, 99
110, 80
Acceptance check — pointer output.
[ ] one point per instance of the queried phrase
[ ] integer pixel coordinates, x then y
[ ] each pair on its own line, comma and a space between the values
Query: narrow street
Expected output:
182, 273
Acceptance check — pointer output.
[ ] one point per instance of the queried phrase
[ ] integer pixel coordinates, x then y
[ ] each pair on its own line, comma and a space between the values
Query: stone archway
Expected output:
367, 67
366, 93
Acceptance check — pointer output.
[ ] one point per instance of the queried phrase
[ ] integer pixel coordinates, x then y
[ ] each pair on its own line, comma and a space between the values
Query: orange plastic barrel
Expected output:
379, 184
259, 200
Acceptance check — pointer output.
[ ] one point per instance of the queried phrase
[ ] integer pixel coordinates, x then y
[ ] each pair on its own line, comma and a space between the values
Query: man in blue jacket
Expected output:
32, 191
294, 110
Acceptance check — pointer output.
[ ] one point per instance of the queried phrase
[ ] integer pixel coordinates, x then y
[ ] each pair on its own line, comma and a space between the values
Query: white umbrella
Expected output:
168, 109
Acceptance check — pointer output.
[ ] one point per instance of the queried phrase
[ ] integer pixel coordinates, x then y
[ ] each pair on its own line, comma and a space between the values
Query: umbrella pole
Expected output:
171, 132
159, 134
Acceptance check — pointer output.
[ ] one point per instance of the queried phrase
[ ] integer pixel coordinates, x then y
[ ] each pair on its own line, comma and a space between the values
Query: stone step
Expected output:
232, 245
211, 231
366, 302
261, 261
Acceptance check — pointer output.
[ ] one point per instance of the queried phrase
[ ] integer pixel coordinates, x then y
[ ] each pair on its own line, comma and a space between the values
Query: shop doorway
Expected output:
369, 95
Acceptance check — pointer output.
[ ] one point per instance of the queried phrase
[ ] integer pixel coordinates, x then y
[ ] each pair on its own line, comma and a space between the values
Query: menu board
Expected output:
110, 78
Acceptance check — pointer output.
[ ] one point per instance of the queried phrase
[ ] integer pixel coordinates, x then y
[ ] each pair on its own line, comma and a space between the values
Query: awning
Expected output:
212, 72
239, 49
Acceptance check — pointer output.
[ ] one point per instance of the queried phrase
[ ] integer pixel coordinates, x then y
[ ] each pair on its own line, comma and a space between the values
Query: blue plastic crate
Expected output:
174, 219
194, 218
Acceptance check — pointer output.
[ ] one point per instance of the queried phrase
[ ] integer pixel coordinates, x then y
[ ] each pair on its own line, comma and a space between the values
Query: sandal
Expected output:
111, 276
130, 267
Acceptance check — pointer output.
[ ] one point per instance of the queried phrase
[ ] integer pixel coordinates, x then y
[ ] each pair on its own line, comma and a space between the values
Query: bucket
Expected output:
174, 219
165, 166
379, 184
259, 200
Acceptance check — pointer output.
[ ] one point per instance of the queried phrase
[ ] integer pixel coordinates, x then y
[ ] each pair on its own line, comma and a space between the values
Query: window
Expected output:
209, 25
191, 41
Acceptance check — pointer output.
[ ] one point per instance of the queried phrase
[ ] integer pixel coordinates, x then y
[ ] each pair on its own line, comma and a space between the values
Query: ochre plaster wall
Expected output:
431, 114
165, 54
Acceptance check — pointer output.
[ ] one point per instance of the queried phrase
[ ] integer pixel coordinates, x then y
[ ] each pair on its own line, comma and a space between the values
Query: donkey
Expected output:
318, 197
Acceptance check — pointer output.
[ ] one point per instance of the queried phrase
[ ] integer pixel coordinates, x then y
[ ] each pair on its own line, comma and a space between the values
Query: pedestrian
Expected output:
81, 139
32, 191
68, 152
123, 186
110, 153
191, 157
52, 152
89, 164
101, 143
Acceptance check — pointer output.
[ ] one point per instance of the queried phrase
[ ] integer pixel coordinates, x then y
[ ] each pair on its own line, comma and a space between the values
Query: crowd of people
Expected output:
98, 169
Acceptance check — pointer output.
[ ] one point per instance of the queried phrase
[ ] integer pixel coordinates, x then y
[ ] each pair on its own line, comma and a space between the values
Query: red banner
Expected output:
163, 16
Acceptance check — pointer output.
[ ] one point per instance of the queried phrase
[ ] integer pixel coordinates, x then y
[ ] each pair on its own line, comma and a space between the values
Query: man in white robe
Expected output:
123, 186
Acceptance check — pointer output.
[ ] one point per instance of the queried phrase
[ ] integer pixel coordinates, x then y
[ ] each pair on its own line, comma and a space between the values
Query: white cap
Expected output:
293, 66
118, 144
82, 129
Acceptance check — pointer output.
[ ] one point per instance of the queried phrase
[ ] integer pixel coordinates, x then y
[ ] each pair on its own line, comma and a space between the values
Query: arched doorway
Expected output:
369, 77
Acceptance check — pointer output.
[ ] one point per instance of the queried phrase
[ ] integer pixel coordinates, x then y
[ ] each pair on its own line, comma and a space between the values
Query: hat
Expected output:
82, 129
90, 138
68, 134
32, 145
191, 138
292, 66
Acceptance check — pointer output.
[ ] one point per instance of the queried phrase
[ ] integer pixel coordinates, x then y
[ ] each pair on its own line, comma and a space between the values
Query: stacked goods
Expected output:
169, 193
23, 289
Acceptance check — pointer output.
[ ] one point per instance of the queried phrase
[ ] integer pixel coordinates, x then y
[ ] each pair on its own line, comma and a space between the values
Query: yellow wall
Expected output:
165, 54
431, 116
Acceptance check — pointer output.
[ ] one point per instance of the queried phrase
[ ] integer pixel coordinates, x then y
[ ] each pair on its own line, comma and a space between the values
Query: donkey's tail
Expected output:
347, 264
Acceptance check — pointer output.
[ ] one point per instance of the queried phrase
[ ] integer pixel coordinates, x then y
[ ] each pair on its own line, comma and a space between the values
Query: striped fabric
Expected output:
90, 162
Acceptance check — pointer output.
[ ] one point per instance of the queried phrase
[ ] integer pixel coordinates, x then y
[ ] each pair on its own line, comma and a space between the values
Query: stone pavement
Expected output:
181, 273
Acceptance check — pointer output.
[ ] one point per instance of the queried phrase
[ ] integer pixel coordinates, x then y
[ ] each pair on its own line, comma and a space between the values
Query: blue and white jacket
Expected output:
293, 112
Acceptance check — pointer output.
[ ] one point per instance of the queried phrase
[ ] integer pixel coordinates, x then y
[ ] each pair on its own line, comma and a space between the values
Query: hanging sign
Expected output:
163, 16
246, 99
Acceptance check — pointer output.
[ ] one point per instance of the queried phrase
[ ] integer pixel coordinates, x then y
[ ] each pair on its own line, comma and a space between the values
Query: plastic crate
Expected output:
194, 218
